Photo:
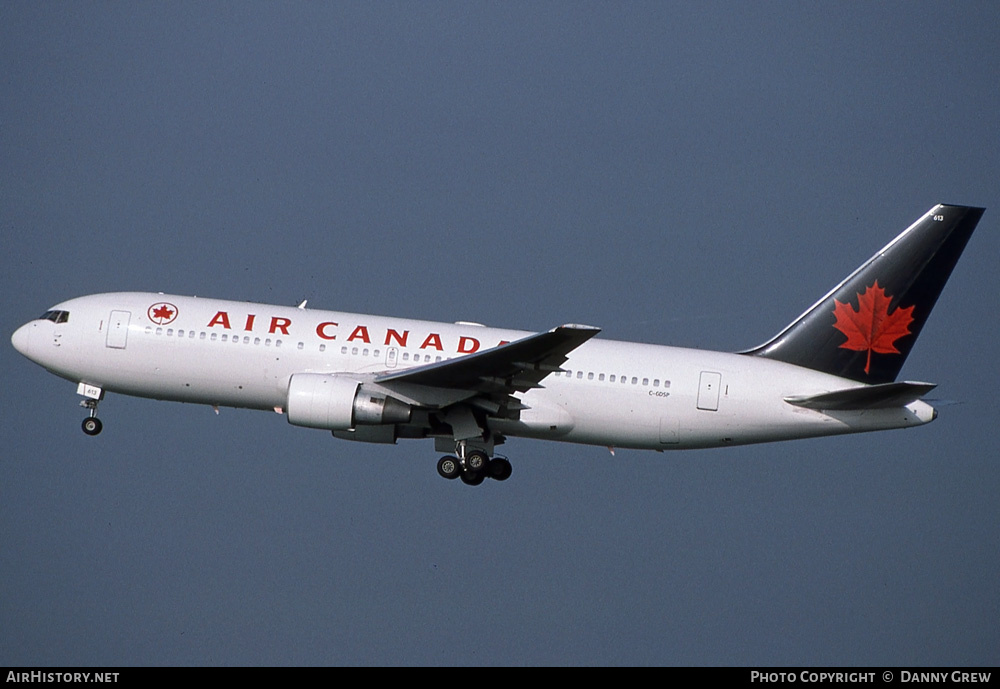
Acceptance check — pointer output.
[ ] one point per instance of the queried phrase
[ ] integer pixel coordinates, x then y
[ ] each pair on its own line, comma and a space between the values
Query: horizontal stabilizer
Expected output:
882, 396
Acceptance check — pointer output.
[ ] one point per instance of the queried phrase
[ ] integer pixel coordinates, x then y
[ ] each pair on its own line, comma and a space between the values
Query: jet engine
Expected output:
340, 403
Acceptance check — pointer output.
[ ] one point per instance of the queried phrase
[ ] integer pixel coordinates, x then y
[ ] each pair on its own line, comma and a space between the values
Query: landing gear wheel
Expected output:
449, 468
92, 425
473, 478
477, 461
499, 469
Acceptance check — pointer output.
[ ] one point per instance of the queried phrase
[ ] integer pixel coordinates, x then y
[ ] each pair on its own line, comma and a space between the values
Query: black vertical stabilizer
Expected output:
864, 327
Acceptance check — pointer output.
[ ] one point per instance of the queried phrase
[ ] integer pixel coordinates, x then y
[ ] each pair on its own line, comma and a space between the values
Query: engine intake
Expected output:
340, 403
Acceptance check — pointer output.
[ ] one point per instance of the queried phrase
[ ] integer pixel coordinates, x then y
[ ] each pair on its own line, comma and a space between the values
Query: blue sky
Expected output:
681, 173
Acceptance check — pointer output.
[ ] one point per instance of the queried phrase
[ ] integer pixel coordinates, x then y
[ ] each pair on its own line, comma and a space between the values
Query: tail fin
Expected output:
865, 327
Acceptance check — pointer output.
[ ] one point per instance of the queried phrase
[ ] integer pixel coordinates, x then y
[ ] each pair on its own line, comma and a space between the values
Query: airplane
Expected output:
469, 387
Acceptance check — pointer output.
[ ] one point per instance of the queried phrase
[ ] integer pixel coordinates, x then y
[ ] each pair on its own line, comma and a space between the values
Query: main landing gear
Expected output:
474, 466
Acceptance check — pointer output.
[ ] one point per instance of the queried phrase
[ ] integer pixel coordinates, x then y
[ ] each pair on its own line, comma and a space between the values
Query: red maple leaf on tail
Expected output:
871, 327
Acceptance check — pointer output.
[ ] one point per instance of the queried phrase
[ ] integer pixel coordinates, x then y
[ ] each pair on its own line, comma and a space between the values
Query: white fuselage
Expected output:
618, 394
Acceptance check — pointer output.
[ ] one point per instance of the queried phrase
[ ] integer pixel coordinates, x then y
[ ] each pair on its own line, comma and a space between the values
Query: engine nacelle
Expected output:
340, 403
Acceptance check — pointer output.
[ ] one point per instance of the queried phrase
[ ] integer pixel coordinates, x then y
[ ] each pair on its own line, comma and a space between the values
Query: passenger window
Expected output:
612, 378
645, 381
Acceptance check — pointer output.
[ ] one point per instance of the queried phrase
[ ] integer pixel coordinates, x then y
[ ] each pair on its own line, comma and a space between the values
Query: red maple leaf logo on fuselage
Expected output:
162, 313
871, 327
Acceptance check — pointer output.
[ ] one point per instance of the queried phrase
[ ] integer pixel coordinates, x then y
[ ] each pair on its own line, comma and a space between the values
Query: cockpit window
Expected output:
56, 316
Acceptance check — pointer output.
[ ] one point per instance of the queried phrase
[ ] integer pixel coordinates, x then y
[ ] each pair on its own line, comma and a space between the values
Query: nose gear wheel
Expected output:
91, 425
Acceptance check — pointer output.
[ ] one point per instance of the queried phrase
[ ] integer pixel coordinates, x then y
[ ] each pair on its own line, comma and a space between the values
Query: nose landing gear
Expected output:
91, 425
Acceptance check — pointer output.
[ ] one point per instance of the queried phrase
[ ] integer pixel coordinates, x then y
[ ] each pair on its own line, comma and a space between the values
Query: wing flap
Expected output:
884, 396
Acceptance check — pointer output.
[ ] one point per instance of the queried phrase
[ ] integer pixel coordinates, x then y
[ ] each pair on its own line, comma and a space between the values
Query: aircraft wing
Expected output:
513, 367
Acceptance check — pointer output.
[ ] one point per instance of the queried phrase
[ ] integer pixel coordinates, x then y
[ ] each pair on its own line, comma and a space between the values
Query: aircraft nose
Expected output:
22, 338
